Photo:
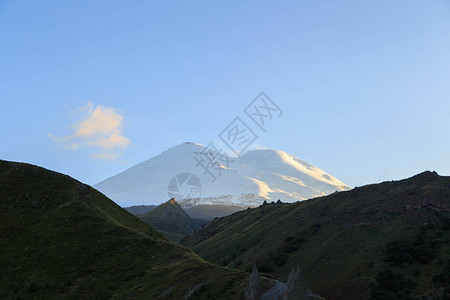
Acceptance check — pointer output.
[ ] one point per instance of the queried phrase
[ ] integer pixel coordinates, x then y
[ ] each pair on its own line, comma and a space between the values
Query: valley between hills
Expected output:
61, 238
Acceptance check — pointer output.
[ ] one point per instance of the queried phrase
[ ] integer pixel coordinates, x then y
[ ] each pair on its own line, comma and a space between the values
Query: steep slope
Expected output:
171, 220
283, 176
382, 241
250, 179
62, 239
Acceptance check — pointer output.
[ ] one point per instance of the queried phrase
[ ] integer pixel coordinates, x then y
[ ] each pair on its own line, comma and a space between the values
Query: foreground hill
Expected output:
62, 239
381, 241
248, 180
171, 220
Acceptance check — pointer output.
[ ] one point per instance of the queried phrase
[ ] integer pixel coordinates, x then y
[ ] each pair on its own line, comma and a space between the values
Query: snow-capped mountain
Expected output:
248, 180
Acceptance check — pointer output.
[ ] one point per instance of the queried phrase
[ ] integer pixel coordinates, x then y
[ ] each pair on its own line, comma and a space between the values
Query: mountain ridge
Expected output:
346, 243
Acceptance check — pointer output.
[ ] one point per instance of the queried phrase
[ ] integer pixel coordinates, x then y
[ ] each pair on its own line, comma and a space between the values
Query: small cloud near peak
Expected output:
100, 129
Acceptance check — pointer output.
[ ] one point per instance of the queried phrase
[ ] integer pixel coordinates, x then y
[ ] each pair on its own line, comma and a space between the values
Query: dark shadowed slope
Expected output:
171, 220
61, 239
210, 212
381, 241
139, 209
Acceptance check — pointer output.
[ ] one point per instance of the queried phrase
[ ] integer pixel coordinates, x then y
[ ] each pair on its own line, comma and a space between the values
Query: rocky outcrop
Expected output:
253, 289
296, 288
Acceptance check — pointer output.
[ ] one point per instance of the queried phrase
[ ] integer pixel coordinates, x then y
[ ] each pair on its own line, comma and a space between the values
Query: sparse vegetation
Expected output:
390, 285
293, 243
280, 258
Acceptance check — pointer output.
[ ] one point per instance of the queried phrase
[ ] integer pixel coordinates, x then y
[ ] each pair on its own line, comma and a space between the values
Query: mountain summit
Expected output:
247, 180
171, 220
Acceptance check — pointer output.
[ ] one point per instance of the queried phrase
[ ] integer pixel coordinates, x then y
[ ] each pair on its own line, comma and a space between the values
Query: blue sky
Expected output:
364, 86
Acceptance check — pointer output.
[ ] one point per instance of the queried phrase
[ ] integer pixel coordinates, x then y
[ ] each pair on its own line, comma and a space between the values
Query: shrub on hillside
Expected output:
445, 222
293, 243
399, 252
390, 285
443, 278
280, 258
419, 248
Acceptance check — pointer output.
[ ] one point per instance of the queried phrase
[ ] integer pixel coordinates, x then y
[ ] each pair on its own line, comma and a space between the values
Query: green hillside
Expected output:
382, 241
171, 220
61, 239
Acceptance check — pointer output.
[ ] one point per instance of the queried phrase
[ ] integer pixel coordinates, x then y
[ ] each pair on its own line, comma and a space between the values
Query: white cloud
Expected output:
111, 142
101, 129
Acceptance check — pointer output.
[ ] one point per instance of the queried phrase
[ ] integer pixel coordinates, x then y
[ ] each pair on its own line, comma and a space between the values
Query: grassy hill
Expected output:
381, 241
171, 220
62, 239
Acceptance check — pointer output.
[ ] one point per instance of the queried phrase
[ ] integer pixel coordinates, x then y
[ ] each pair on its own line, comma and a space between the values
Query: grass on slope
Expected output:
62, 239
341, 241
